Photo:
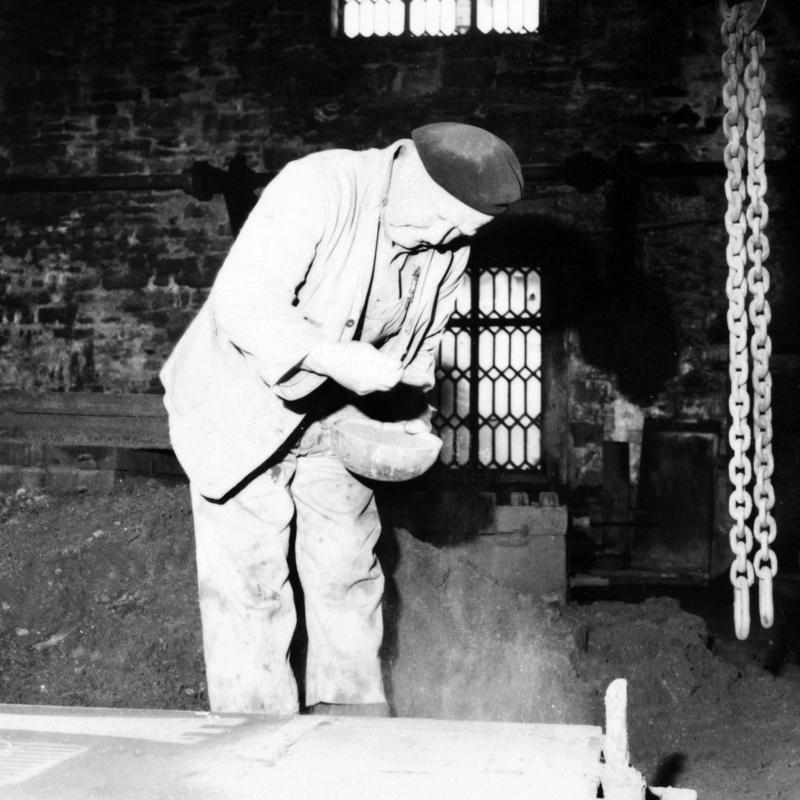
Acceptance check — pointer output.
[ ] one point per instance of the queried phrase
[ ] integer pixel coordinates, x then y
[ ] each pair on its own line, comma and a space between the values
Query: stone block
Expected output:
380, 78
180, 268
584, 433
469, 73
71, 479
16, 311
535, 519
520, 79
79, 457
592, 391
39, 158
134, 302
130, 276
76, 284
114, 96
140, 147
523, 548
195, 210
103, 109
20, 453
449, 516
119, 165
419, 80
32, 479
64, 315
463, 646
105, 83
158, 93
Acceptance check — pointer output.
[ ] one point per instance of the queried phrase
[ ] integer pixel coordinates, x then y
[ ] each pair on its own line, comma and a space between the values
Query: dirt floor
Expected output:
98, 607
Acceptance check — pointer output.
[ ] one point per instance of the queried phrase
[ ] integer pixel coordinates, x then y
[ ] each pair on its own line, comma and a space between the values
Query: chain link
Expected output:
764, 528
739, 468
747, 179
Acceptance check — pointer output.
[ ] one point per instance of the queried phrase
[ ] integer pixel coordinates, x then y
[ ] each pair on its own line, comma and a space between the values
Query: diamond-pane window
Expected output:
489, 374
434, 17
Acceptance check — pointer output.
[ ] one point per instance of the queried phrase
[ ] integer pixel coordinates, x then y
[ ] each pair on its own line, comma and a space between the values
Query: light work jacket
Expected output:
299, 272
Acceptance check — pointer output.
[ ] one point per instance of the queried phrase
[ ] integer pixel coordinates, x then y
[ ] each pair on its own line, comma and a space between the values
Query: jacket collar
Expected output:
388, 156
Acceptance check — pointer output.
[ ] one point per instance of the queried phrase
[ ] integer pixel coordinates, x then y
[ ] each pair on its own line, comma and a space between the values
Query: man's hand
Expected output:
420, 424
416, 426
356, 366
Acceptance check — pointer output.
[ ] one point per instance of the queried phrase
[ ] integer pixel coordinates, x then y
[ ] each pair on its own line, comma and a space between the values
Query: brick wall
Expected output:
95, 287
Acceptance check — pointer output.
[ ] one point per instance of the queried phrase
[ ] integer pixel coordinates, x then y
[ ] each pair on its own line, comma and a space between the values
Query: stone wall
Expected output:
95, 286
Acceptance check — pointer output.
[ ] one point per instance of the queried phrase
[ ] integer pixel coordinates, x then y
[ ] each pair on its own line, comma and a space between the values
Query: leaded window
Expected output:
489, 374
434, 17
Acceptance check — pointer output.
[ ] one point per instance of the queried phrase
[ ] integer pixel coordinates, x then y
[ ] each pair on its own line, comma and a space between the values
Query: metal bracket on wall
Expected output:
202, 181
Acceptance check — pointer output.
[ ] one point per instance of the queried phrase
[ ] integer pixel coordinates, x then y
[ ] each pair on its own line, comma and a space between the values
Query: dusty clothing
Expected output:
312, 262
246, 603
300, 270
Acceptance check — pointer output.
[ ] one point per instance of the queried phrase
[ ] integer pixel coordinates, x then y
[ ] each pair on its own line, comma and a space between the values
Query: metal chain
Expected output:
764, 529
747, 114
740, 504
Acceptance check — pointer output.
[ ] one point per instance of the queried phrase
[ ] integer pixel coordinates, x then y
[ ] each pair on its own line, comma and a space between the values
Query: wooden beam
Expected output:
85, 419
115, 405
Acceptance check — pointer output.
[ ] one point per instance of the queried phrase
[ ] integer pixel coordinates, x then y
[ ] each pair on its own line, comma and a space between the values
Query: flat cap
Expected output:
473, 165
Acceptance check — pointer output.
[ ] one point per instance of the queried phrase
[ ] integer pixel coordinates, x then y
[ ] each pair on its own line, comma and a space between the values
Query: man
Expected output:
336, 290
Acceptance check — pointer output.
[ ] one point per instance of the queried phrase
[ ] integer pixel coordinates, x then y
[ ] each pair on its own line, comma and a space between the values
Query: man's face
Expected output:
420, 214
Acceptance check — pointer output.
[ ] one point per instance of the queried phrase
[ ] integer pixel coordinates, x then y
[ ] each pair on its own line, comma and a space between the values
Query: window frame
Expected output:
337, 26
474, 322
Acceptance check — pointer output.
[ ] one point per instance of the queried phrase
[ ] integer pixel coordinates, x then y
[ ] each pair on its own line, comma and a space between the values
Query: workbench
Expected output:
79, 753
127, 754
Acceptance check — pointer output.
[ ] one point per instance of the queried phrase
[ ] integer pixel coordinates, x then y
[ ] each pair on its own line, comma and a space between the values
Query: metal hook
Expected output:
749, 11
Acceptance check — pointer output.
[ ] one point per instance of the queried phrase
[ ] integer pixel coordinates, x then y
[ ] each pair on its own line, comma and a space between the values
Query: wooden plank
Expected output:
83, 439
637, 577
403, 758
148, 462
23, 453
69, 479
13, 477
153, 726
81, 403
56, 479
134, 754
81, 457
49, 456
86, 429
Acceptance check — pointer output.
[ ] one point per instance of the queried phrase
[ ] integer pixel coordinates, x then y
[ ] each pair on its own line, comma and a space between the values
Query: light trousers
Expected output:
246, 601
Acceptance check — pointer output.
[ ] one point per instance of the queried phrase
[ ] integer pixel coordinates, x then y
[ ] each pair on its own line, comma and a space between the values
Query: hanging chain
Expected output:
739, 470
746, 114
764, 529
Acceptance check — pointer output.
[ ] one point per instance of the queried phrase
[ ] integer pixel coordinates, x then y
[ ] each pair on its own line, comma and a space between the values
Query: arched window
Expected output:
434, 17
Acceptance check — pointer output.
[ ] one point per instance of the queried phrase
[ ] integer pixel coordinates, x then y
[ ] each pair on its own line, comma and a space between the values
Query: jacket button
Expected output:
350, 323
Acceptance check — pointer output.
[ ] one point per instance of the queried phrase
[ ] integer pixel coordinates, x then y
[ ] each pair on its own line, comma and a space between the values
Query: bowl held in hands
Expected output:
384, 452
